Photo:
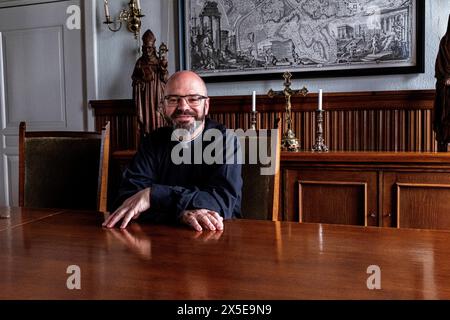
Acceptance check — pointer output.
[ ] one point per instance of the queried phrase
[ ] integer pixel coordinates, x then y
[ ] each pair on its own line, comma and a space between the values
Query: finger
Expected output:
114, 214
215, 214
108, 218
136, 215
120, 210
213, 220
116, 217
126, 219
206, 223
192, 221
218, 220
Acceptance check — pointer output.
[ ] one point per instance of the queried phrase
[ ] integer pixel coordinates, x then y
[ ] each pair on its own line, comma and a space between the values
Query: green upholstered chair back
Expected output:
260, 193
63, 169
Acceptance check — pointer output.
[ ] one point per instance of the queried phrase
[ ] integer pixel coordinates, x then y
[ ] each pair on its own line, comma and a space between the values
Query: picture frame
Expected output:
236, 40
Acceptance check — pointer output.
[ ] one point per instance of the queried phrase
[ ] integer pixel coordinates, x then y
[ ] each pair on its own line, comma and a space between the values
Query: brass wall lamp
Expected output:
131, 15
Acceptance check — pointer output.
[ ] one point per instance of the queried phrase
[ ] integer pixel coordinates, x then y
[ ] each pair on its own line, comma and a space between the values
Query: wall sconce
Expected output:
131, 15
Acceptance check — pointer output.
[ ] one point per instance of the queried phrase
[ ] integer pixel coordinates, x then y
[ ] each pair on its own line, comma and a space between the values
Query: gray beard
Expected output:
190, 127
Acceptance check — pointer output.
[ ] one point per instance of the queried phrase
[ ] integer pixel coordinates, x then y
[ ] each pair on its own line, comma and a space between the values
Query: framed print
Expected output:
227, 40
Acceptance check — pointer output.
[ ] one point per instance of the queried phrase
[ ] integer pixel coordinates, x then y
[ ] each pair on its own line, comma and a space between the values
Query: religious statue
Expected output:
149, 80
441, 119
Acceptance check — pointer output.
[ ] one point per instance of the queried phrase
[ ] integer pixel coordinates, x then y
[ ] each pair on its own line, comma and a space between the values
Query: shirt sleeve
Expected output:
140, 174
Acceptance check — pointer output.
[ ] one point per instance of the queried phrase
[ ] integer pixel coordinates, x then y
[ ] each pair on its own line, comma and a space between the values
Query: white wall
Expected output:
117, 55
117, 51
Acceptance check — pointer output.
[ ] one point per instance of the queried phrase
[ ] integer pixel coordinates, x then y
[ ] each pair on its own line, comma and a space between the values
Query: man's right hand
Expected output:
200, 219
130, 209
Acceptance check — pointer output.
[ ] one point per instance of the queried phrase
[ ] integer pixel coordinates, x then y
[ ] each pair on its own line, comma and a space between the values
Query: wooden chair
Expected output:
260, 193
63, 169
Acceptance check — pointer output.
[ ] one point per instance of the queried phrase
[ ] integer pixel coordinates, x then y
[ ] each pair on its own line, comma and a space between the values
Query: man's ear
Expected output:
161, 108
206, 106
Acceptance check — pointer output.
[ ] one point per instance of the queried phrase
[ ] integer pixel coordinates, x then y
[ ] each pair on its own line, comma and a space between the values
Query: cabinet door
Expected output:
331, 196
416, 200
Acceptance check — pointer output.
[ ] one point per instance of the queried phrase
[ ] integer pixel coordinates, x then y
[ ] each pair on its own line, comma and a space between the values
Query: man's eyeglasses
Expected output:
193, 100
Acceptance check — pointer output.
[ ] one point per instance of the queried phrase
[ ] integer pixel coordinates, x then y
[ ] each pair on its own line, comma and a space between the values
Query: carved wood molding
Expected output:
339, 101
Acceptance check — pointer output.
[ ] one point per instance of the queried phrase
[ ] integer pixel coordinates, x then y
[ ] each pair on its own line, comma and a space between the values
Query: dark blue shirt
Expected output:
194, 184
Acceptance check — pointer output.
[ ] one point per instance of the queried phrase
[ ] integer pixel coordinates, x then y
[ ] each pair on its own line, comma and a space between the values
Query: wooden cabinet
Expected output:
404, 190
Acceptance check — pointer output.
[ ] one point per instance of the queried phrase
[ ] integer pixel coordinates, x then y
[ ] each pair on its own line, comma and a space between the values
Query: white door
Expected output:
41, 80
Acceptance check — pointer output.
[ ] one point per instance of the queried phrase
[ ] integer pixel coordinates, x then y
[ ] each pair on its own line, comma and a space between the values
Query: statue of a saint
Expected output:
441, 119
149, 80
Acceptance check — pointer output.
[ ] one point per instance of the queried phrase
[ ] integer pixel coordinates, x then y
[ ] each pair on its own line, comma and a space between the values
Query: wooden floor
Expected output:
249, 260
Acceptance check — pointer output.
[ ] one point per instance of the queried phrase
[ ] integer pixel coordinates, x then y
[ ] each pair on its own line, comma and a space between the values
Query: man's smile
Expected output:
184, 117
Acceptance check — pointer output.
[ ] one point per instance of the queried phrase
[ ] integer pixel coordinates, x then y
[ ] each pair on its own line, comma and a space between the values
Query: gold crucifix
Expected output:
288, 142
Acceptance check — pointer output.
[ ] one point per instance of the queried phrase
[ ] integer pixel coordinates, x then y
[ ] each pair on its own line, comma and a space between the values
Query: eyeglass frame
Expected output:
200, 97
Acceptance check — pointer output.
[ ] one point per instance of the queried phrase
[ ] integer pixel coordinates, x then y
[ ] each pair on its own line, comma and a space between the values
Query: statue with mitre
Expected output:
149, 80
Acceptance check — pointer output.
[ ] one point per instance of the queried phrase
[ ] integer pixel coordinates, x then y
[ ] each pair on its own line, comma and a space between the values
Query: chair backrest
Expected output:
261, 192
63, 169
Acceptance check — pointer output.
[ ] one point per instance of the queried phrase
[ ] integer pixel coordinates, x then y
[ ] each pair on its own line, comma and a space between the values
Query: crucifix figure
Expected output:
288, 142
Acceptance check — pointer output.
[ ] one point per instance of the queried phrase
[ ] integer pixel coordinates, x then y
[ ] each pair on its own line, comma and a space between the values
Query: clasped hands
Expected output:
131, 209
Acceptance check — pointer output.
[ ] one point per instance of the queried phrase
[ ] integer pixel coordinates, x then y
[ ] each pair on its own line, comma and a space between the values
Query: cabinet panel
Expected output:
346, 202
416, 200
423, 206
330, 196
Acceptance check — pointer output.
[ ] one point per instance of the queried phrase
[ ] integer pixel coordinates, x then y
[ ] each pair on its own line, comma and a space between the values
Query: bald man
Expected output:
193, 191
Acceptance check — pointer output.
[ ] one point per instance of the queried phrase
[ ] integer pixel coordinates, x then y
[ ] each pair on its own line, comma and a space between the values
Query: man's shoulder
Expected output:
213, 124
158, 136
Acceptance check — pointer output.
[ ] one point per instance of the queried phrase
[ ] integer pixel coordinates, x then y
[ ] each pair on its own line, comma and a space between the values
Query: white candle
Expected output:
138, 4
254, 101
320, 99
106, 8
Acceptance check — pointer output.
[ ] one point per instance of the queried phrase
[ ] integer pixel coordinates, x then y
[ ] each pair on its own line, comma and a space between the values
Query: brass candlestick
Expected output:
320, 145
289, 142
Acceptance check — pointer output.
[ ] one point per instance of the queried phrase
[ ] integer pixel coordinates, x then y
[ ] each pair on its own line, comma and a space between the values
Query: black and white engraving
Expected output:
260, 36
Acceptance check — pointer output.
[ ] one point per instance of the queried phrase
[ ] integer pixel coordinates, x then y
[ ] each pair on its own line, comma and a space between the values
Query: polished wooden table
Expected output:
249, 260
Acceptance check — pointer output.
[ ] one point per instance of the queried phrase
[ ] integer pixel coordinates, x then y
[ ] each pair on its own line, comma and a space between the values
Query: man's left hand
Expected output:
202, 219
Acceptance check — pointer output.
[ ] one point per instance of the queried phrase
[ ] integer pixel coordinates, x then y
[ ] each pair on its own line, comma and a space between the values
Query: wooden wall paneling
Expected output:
358, 121
122, 117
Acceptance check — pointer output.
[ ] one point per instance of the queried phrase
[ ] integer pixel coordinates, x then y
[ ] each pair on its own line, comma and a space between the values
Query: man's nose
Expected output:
182, 104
